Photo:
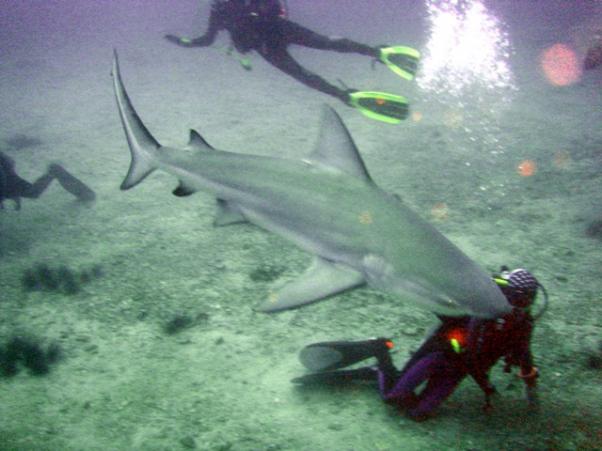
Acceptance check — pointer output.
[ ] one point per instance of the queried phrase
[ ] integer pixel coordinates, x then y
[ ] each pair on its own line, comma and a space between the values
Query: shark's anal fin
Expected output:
227, 214
324, 278
182, 190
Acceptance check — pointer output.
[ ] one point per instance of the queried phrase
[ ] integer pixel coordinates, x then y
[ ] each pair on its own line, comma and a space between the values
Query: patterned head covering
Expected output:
521, 287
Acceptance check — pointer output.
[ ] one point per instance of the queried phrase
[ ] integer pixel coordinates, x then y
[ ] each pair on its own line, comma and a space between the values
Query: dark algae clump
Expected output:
29, 353
594, 229
594, 357
181, 321
63, 279
266, 273
22, 141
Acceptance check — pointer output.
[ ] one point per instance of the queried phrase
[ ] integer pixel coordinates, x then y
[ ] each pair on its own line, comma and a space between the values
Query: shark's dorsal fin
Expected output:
197, 142
335, 147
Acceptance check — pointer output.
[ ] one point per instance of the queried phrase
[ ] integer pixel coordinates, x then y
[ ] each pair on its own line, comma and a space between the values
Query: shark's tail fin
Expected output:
143, 146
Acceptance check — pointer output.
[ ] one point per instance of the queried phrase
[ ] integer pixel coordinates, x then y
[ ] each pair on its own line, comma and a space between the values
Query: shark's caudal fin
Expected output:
143, 146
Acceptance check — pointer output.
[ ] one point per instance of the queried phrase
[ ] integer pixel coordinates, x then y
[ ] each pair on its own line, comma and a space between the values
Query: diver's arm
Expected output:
529, 377
216, 23
522, 357
529, 373
476, 329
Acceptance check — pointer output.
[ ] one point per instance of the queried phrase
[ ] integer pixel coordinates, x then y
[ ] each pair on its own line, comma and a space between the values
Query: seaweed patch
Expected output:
266, 273
181, 321
21, 141
594, 229
29, 353
63, 279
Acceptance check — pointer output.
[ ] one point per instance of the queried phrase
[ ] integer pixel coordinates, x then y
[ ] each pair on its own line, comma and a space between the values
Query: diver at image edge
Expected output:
14, 187
459, 347
593, 57
262, 25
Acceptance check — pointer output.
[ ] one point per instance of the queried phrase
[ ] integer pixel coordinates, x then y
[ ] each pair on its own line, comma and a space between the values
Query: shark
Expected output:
328, 205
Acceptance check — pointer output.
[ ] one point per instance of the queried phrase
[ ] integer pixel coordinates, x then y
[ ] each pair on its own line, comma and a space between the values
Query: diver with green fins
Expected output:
459, 347
263, 26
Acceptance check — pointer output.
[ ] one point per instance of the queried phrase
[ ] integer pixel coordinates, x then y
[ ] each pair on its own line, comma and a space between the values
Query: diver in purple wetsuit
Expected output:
263, 26
459, 347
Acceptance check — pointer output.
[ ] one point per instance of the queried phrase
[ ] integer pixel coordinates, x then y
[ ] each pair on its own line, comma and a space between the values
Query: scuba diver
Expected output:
593, 57
459, 347
14, 187
262, 25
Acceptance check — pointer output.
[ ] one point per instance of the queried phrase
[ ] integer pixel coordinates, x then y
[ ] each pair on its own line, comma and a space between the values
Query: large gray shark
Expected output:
329, 206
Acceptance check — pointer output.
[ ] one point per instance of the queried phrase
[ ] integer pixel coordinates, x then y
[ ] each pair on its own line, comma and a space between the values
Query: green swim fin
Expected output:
389, 108
401, 60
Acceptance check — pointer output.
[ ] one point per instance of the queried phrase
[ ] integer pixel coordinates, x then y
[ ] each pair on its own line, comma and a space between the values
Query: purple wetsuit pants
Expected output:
442, 375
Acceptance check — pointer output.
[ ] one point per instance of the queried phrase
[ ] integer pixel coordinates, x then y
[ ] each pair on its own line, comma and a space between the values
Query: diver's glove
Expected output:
182, 42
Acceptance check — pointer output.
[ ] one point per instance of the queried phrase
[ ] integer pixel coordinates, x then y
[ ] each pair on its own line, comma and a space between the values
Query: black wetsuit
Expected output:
259, 25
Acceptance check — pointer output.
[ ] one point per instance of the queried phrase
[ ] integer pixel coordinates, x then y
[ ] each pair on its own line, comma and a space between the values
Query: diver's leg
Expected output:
296, 34
281, 59
439, 387
67, 181
35, 189
403, 389
381, 106
71, 184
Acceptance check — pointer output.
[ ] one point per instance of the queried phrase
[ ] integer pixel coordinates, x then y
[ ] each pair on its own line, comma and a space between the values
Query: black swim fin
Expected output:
331, 355
340, 377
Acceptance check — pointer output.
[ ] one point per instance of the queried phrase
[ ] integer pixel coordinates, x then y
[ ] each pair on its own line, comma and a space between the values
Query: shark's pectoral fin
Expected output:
324, 278
227, 214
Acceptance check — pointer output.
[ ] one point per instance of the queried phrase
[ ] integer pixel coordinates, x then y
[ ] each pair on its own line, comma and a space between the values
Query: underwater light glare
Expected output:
467, 47
560, 65
527, 168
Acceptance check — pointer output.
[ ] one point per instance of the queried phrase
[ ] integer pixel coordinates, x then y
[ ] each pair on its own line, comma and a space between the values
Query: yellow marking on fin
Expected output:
365, 217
